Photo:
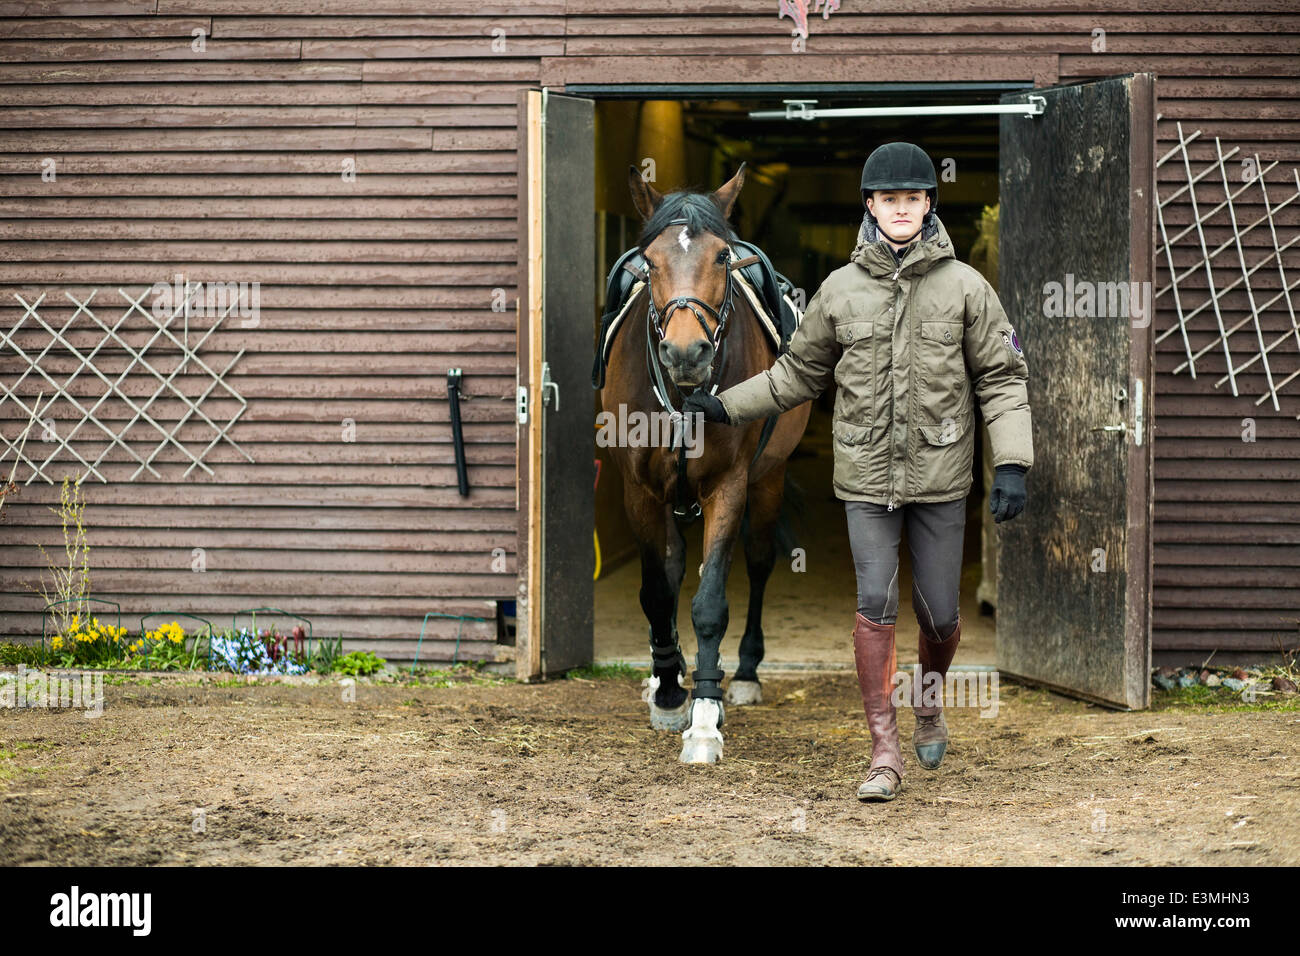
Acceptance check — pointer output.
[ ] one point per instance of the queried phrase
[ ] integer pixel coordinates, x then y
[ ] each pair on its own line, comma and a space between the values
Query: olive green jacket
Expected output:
910, 346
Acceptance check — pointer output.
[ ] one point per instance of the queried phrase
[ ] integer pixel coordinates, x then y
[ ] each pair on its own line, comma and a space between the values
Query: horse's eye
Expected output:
722, 257
650, 265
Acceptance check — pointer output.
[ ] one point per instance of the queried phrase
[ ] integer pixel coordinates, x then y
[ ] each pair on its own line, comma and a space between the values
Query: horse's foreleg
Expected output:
661, 552
764, 507
702, 742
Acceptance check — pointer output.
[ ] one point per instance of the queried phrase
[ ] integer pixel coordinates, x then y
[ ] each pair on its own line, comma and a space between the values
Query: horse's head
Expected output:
685, 242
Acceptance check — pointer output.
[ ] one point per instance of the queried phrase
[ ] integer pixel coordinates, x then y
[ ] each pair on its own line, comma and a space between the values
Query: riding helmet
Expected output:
900, 166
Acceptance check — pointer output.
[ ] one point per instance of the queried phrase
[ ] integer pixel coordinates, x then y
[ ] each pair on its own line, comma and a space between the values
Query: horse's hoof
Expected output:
675, 719
743, 693
702, 741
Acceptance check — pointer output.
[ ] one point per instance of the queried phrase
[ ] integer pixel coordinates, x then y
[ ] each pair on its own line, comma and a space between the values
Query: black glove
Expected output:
1007, 499
701, 401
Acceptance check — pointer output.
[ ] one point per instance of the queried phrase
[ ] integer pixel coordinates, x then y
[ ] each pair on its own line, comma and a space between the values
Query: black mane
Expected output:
699, 210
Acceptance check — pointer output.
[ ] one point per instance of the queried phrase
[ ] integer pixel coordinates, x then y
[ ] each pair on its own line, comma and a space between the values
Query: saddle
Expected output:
767, 290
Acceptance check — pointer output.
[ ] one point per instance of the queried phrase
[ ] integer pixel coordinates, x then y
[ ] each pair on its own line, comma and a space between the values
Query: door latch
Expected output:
1138, 419
547, 383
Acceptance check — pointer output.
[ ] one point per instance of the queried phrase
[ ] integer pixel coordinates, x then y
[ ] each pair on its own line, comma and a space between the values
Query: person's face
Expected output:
899, 212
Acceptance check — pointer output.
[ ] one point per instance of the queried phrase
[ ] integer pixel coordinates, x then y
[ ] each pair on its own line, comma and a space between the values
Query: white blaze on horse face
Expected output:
684, 240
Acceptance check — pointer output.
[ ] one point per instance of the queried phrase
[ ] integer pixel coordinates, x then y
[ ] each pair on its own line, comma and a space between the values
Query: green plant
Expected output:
71, 585
12, 654
326, 653
359, 664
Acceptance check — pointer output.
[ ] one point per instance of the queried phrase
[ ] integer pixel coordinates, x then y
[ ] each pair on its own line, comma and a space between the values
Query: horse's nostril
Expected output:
700, 352
667, 353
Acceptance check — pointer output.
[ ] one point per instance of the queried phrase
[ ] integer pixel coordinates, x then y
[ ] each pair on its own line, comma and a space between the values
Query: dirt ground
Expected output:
569, 772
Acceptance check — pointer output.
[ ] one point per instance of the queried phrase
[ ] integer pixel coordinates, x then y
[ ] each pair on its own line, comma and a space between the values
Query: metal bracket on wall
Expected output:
807, 110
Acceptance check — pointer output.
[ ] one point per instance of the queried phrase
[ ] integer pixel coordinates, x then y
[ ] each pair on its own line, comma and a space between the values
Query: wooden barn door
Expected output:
1077, 216
556, 468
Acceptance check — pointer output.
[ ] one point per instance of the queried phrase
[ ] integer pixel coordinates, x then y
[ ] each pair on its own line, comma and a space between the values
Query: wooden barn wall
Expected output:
226, 165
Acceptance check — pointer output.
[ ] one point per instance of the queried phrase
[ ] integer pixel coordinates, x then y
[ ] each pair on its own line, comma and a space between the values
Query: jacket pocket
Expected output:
855, 372
942, 365
852, 445
944, 456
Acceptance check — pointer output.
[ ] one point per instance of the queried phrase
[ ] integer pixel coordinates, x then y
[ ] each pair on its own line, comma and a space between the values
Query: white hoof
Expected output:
742, 693
702, 741
676, 719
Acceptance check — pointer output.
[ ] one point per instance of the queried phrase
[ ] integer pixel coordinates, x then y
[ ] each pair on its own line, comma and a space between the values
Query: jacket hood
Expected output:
874, 253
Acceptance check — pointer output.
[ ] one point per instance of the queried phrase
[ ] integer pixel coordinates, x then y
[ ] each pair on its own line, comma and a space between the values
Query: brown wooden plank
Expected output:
378, 8
379, 297
335, 250
264, 71
723, 9
77, 117
264, 273
54, 51
1278, 578
433, 230
115, 27
304, 207
1090, 64
365, 163
249, 187
1226, 555
302, 496
1281, 495
813, 68
418, 48
31, 504
76, 8
283, 321
893, 22
238, 557
1228, 619
269, 581
379, 26
1226, 533
468, 70
133, 140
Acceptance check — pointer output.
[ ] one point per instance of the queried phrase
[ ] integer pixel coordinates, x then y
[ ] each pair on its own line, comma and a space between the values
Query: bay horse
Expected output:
689, 327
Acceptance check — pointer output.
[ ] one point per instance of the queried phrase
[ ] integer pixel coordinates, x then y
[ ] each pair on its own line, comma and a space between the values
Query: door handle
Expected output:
547, 383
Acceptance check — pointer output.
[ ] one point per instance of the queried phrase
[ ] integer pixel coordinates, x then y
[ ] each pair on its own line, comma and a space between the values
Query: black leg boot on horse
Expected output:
931, 736
875, 654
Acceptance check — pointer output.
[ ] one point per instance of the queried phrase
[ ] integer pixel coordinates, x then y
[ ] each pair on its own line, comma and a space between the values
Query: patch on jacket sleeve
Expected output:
1012, 342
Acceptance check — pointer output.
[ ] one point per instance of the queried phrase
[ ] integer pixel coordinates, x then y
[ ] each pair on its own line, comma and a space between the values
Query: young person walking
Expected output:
910, 335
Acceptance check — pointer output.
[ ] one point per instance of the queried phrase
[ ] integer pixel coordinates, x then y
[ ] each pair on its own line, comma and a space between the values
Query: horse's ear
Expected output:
644, 196
726, 195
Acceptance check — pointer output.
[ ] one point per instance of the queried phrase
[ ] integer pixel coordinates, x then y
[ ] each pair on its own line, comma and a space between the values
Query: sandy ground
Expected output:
569, 772
807, 615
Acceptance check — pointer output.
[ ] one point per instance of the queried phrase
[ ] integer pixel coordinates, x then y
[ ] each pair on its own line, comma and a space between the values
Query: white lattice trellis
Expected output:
167, 383
1272, 258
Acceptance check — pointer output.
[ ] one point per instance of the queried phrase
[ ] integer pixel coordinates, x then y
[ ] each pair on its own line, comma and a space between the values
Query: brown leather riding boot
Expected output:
931, 735
875, 654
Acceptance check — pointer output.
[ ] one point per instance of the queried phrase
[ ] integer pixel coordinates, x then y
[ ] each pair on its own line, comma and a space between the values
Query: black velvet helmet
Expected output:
900, 166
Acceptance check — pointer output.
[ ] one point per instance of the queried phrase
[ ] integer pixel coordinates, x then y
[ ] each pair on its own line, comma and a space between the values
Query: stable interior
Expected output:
801, 205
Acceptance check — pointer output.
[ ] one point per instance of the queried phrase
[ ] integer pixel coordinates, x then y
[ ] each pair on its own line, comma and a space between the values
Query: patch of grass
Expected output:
1204, 699
615, 671
12, 654
466, 674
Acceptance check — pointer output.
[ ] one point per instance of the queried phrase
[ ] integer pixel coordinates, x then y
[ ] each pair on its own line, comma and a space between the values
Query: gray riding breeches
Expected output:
935, 535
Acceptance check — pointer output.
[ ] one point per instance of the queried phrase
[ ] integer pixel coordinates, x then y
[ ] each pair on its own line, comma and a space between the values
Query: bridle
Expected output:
657, 322
685, 509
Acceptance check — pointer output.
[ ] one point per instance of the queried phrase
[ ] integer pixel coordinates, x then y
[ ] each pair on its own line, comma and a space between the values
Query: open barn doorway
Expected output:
801, 205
